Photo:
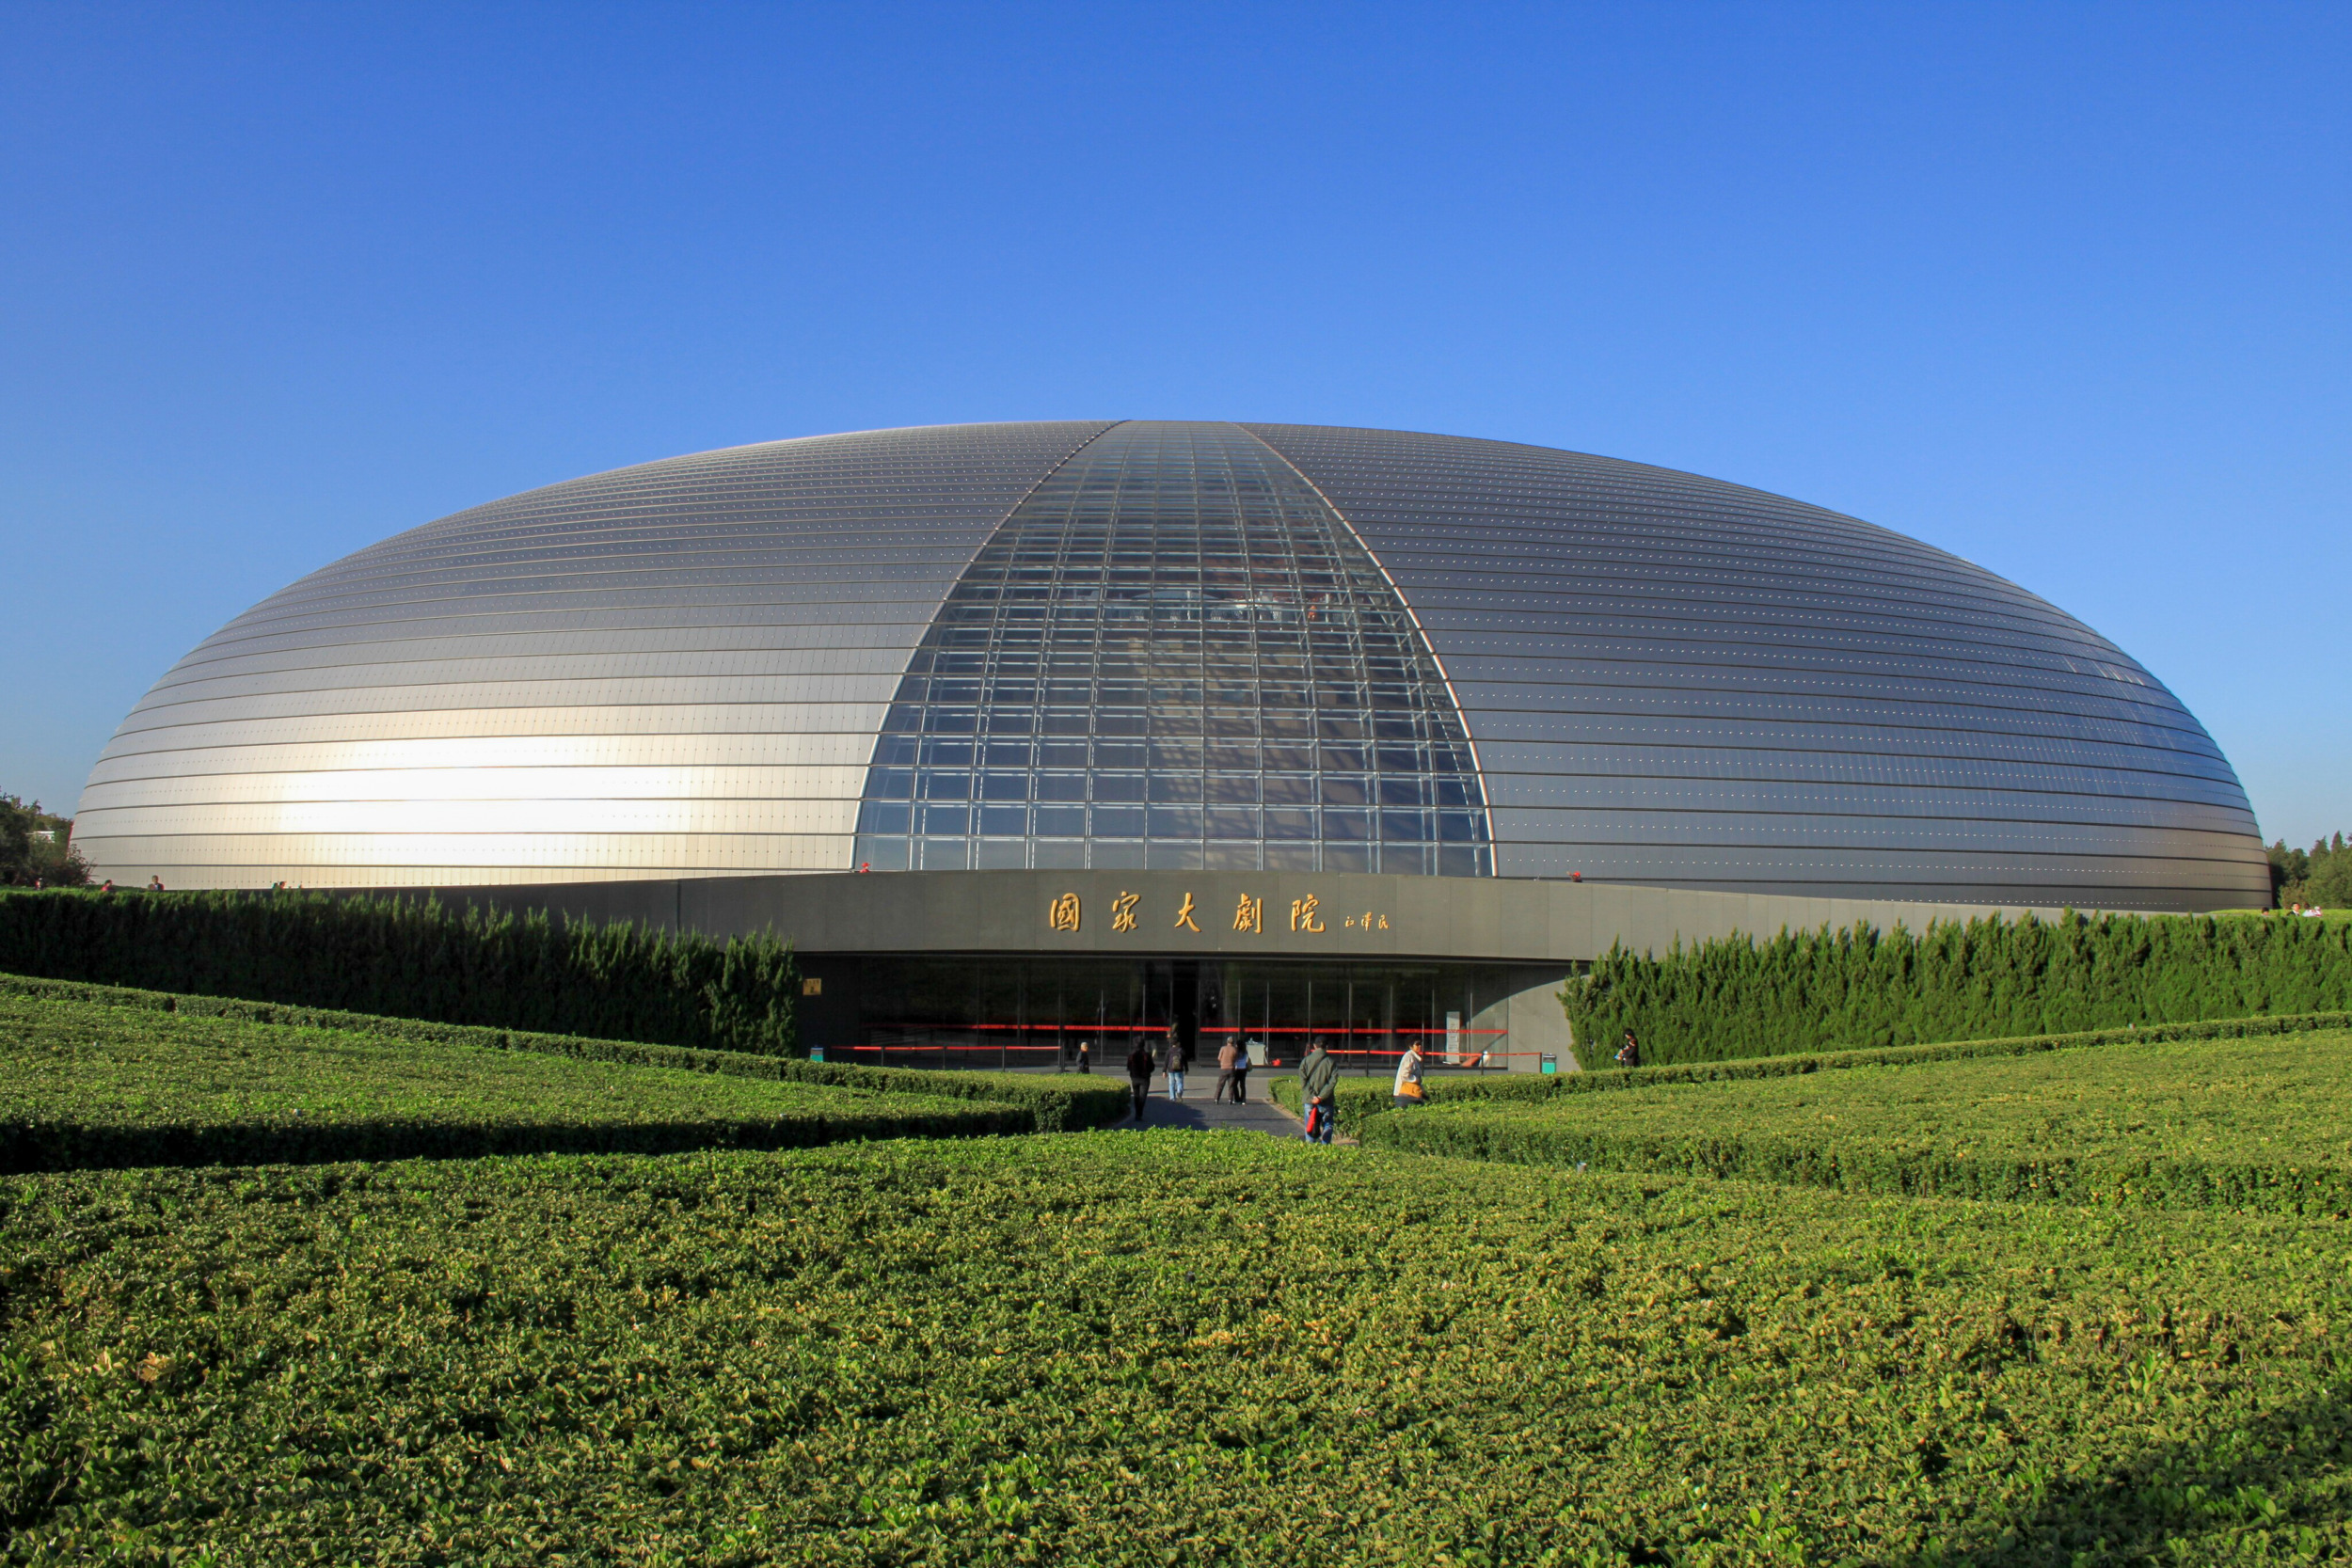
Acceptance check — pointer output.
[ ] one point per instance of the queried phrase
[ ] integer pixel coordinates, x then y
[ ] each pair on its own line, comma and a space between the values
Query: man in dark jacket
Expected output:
1176, 1063
1140, 1068
1319, 1092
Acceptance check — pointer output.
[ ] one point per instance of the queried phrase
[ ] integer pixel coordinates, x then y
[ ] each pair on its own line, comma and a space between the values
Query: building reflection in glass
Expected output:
1036, 1013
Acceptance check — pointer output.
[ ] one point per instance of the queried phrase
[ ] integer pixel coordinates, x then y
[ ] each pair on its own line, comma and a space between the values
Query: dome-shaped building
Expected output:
1151, 650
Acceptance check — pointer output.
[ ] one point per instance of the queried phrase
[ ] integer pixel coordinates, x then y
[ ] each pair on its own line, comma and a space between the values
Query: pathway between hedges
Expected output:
1197, 1111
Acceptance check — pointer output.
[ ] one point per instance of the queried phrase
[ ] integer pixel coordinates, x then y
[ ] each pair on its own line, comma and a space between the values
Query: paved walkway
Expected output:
1258, 1114
1198, 1110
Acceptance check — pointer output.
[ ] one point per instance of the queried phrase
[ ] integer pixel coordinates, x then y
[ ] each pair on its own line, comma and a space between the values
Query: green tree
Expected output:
36, 845
2322, 876
2288, 869
2330, 881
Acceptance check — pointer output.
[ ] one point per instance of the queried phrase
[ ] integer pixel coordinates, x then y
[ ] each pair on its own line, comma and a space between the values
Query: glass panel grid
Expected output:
1229, 681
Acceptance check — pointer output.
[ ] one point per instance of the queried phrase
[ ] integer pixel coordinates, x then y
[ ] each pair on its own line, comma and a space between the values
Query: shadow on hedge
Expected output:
2276, 1490
26, 1149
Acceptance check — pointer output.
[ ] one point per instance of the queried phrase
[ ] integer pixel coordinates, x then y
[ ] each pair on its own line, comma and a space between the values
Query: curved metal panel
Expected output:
1180, 644
1676, 681
673, 668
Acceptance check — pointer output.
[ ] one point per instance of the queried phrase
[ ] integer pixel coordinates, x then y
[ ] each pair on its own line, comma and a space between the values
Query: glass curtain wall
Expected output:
1174, 655
1006, 1012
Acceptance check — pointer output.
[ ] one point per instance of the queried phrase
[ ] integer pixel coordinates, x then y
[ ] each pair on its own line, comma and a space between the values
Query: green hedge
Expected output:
1369, 1096
2162, 1183
1052, 1102
1134, 1352
416, 958
69, 1144
84, 1085
1057, 1101
1365, 1097
2141, 1125
1860, 988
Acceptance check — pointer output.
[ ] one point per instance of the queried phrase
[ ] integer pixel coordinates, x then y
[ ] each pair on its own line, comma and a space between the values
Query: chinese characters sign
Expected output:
1308, 916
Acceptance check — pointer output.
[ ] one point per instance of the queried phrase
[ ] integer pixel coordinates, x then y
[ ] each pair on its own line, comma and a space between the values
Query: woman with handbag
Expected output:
1406, 1090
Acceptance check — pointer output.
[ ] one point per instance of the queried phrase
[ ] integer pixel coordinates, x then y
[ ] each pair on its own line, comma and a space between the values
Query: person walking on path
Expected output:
1630, 1053
1140, 1070
1241, 1074
1086, 1055
1178, 1060
1319, 1092
1406, 1090
1225, 1055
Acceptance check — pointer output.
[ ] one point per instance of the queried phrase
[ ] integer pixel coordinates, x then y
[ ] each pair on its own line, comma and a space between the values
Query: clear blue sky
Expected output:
2065, 289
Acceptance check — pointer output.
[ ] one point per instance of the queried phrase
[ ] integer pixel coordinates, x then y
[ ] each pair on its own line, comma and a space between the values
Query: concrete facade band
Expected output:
1492, 953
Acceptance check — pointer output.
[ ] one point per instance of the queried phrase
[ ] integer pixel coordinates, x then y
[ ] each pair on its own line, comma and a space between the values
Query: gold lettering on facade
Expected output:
1384, 921
1063, 913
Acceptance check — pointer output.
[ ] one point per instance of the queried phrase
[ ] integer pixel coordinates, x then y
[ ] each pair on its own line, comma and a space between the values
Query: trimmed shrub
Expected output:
1052, 1102
1756, 1157
416, 958
2137, 1125
1363, 1097
1860, 988
1366, 1097
85, 1085
1138, 1350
